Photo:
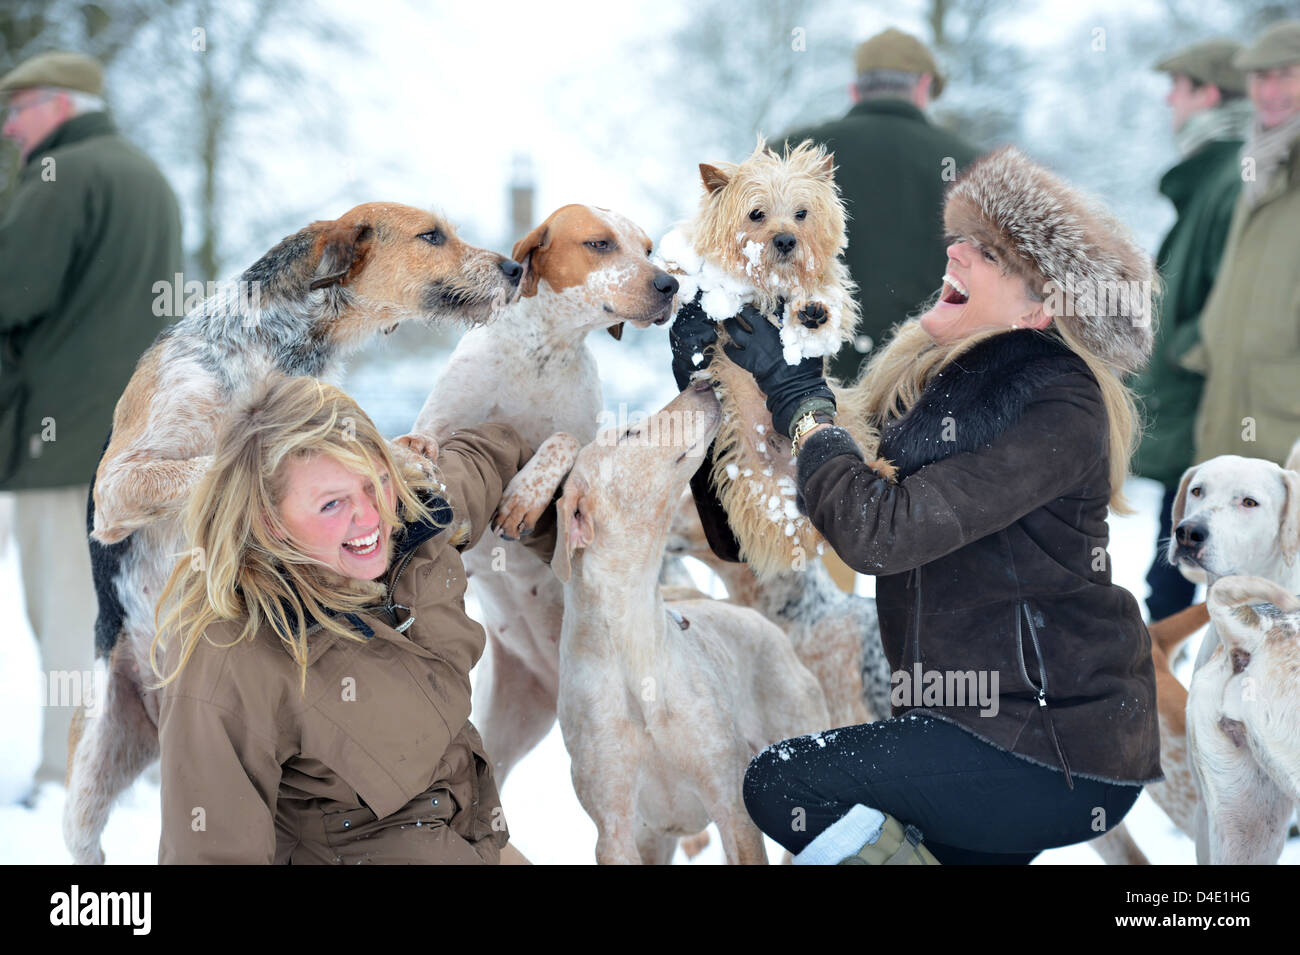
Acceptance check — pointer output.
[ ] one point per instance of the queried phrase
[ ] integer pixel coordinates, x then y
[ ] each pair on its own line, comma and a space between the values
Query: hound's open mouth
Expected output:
954, 293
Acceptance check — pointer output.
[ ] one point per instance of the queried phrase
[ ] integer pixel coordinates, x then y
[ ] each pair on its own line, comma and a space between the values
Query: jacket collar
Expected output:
85, 126
888, 107
1183, 180
983, 392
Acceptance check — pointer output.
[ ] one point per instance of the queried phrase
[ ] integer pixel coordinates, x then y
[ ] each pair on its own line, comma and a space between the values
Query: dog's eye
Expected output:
1195, 492
801, 215
1249, 502
434, 237
756, 215
600, 245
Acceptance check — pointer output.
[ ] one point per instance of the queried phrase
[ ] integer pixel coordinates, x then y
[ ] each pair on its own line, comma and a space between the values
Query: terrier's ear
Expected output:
574, 528
827, 168
527, 252
714, 178
341, 252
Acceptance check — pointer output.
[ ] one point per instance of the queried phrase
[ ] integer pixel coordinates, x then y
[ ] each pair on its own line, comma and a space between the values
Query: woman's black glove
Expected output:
690, 334
756, 347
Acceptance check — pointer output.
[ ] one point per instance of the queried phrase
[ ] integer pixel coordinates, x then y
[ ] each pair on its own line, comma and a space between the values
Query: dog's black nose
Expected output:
1191, 534
512, 269
665, 284
785, 243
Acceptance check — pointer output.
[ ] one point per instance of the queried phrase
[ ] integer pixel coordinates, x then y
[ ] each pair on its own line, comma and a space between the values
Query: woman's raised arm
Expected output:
881, 528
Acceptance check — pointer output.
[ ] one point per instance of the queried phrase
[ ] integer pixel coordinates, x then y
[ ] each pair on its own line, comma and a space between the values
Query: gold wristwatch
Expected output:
805, 424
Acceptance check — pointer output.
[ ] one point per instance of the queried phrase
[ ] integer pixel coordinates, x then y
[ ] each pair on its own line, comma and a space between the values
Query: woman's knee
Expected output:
765, 790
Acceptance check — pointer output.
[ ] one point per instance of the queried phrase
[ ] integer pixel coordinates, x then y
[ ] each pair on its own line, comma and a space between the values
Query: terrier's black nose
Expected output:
665, 284
512, 269
785, 243
1191, 534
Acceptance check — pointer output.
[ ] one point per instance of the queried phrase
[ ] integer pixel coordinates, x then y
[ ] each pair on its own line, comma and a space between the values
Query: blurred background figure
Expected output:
892, 165
1250, 350
1211, 114
91, 226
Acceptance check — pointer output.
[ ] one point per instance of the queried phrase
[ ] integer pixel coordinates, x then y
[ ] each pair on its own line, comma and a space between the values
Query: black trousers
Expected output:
974, 803
1170, 590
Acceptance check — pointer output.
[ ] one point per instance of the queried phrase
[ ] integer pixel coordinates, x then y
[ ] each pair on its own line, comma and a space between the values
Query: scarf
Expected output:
1270, 149
1229, 121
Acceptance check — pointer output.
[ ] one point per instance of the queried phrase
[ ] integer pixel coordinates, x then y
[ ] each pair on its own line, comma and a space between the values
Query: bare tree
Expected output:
211, 90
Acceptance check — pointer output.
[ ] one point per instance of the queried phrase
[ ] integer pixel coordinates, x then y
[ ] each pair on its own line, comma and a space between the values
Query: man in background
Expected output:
91, 226
892, 167
1210, 114
1250, 330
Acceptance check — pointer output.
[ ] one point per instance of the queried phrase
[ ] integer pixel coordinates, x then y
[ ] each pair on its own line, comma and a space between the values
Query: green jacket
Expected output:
892, 173
1250, 330
1203, 188
91, 227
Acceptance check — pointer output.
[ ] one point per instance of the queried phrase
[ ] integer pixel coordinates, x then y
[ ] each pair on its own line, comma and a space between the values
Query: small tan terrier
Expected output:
769, 233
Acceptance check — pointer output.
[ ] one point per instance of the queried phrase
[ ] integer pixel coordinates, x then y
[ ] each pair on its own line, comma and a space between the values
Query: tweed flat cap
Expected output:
69, 71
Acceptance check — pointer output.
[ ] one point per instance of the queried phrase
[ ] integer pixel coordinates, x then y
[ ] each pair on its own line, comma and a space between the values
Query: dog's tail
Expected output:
1168, 633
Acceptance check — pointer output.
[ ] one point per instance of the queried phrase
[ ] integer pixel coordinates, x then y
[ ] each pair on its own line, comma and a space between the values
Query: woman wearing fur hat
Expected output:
1025, 673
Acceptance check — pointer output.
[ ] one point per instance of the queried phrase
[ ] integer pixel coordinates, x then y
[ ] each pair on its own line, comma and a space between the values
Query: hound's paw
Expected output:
422, 444
813, 314
520, 509
416, 450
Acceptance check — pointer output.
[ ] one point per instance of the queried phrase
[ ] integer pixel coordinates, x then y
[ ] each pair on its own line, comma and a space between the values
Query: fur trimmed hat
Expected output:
1068, 248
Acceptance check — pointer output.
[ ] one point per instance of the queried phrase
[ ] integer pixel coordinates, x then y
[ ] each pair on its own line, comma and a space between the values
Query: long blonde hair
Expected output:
242, 563
890, 383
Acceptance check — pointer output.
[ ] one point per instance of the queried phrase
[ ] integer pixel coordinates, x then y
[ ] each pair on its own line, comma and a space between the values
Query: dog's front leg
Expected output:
530, 491
134, 495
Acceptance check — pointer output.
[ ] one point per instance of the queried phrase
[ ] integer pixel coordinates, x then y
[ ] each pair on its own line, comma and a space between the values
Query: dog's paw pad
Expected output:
814, 315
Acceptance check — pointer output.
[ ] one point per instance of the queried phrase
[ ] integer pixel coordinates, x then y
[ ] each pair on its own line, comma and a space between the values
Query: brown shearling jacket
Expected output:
991, 555
378, 761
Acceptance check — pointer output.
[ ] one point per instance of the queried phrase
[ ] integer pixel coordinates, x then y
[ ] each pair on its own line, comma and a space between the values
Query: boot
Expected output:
896, 845
866, 836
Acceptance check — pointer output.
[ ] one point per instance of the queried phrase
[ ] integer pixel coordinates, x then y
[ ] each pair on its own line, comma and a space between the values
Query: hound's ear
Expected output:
525, 253
714, 178
1180, 499
1288, 534
1293, 459
1230, 601
574, 528
616, 330
342, 251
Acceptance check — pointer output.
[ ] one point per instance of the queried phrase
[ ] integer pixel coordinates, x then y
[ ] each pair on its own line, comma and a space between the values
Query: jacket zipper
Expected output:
390, 607
915, 573
1042, 679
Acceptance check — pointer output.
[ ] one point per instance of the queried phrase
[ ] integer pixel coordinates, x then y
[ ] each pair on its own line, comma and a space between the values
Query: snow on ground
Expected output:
546, 822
